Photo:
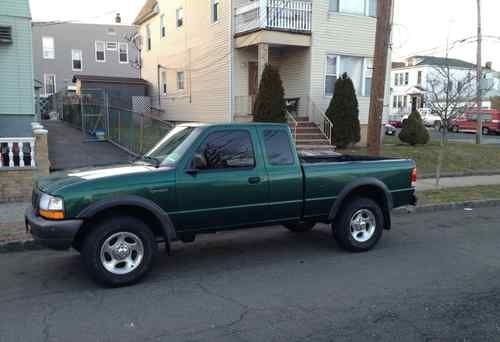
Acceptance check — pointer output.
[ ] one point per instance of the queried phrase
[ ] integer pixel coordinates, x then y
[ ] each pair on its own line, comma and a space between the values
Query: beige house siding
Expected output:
199, 48
339, 34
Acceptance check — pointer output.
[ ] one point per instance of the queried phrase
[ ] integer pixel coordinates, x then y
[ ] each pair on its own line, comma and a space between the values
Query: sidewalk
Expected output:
455, 182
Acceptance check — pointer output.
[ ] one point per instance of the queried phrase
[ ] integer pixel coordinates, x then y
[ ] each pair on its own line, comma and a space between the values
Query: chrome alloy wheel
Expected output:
363, 224
122, 253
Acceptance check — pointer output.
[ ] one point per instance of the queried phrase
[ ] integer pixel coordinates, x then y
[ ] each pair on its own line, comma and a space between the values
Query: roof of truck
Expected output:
235, 124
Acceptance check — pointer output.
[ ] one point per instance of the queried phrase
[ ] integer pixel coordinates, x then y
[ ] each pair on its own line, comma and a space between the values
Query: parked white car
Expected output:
429, 119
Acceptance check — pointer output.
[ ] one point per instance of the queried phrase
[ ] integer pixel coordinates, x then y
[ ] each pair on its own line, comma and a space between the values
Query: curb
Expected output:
19, 246
31, 245
429, 208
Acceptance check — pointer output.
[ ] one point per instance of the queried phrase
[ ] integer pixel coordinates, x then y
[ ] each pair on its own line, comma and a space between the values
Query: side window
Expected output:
278, 149
226, 150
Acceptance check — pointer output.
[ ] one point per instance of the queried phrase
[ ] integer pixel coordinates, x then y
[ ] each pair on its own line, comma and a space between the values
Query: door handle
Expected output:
254, 180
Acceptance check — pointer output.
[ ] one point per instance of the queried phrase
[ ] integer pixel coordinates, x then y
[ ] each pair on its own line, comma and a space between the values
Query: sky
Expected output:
420, 26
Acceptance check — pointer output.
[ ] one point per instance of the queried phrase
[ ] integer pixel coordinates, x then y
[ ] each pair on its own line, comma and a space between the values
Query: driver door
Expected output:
230, 190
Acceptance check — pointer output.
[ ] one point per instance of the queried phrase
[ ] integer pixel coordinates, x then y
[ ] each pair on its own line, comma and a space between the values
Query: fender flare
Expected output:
349, 188
166, 225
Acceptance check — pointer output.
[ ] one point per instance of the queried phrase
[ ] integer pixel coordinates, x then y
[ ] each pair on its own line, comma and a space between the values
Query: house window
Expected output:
394, 101
330, 75
5, 34
163, 29
405, 101
123, 52
214, 10
358, 7
148, 37
396, 80
100, 54
401, 79
338, 65
180, 80
407, 78
367, 77
179, 16
76, 60
49, 83
48, 47
111, 46
400, 101
164, 82
419, 78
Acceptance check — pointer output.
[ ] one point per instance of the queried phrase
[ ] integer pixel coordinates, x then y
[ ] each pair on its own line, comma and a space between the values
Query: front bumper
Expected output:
53, 234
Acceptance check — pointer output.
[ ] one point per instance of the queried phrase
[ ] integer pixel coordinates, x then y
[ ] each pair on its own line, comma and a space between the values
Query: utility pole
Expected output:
479, 75
382, 42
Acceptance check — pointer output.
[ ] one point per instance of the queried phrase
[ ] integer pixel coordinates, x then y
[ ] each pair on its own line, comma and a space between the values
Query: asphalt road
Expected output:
434, 277
462, 137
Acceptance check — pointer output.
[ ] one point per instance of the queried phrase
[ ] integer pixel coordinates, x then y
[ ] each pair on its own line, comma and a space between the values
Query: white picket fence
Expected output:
283, 15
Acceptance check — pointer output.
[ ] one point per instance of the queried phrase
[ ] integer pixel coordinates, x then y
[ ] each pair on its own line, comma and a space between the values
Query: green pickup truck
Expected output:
205, 178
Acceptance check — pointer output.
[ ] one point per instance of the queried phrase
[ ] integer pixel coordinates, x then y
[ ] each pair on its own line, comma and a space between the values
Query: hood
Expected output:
62, 179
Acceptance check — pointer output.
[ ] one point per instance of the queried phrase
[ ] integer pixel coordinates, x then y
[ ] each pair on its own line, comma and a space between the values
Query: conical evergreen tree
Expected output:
413, 131
270, 102
343, 111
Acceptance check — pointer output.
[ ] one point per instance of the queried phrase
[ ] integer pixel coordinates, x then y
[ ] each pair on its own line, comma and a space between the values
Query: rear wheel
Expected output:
300, 227
119, 251
486, 131
359, 225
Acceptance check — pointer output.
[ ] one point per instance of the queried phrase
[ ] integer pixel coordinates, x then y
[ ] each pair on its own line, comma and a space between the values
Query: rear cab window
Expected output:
277, 146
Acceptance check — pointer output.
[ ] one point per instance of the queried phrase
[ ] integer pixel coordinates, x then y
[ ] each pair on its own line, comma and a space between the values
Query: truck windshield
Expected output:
166, 151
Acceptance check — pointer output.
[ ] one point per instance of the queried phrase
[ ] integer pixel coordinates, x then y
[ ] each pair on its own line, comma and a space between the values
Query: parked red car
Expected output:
395, 120
467, 122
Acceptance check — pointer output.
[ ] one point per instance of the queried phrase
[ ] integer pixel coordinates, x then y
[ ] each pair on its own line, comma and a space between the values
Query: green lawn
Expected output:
484, 192
459, 158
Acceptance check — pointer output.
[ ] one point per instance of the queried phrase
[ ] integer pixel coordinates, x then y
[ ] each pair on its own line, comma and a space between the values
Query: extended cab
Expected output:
204, 178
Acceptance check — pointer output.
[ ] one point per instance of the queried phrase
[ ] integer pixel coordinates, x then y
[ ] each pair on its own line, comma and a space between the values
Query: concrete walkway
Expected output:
455, 182
69, 150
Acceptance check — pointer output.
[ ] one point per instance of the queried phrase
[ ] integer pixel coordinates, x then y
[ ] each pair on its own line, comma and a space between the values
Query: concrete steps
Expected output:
309, 137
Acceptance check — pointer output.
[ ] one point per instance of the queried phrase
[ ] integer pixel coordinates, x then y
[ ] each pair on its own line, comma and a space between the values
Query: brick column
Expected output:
263, 58
41, 151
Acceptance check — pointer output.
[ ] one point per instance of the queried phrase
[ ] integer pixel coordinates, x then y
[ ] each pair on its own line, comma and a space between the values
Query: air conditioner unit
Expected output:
5, 35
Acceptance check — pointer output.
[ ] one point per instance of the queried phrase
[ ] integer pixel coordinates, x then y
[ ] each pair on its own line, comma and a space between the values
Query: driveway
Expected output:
434, 277
68, 148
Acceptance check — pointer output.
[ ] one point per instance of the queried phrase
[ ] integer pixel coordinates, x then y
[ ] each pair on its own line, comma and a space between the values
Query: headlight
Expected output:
51, 207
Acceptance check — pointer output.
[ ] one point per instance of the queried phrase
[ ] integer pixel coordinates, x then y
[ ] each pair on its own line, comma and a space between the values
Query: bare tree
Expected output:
449, 92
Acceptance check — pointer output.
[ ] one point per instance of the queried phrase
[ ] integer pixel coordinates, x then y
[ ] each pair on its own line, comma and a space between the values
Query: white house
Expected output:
204, 58
410, 80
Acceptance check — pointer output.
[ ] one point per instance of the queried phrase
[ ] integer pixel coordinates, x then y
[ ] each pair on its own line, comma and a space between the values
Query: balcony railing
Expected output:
17, 152
280, 15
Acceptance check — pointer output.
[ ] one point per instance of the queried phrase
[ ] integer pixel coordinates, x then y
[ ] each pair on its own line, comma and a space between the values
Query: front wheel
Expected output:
119, 251
359, 225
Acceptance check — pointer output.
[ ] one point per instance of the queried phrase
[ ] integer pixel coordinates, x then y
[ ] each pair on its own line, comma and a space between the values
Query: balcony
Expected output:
276, 15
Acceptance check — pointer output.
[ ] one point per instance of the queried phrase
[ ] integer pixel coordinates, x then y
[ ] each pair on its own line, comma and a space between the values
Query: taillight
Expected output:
413, 177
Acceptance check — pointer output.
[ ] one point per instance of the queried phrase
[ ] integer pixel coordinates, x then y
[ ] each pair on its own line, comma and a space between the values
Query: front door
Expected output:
229, 189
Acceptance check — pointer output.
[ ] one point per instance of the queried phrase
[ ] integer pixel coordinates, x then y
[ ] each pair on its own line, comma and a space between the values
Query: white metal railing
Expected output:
292, 123
317, 116
282, 15
17, 152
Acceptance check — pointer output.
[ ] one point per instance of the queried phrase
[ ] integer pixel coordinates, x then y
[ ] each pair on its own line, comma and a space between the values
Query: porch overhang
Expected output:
274, 38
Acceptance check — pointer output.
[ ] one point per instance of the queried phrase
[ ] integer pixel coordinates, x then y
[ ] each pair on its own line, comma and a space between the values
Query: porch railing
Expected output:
282, 15
17, 152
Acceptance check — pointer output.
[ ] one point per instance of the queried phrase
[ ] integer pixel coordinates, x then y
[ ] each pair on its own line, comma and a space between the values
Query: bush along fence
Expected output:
132, 131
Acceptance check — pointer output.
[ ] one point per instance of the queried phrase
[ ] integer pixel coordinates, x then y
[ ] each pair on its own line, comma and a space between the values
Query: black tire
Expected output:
103, 230
486, 131
300, 227
342, 225
454, 129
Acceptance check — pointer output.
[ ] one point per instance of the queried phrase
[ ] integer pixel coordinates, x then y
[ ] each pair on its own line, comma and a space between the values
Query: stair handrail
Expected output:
321, 120
294, 122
